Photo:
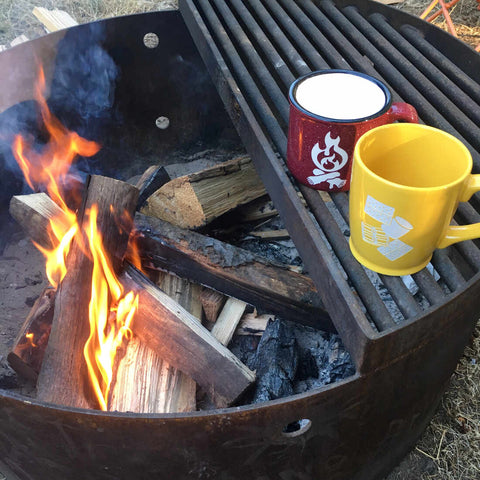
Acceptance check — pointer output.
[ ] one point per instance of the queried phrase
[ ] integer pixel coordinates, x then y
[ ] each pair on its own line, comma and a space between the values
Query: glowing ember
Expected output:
110, 309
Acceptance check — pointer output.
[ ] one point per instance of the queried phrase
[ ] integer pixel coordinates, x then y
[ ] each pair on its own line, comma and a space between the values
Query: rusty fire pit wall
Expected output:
356, 429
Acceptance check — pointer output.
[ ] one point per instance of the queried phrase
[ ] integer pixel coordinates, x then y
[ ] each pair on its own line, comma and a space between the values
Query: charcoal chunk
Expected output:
275, 362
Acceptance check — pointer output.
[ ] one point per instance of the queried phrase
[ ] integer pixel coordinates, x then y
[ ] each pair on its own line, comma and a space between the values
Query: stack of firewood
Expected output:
171, 354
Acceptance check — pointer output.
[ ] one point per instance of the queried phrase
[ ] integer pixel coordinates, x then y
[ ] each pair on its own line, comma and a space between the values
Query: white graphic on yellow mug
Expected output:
386, 236
373, 235
328, 163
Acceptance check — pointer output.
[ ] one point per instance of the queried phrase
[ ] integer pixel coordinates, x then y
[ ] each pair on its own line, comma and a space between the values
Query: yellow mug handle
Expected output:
459, 233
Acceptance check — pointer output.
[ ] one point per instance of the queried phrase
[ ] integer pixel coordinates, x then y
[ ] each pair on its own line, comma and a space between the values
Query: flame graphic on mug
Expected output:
329, 163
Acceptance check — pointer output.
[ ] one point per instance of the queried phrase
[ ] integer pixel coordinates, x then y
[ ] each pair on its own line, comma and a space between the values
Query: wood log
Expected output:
178, 336
212, 302
194, 200
231, 270
207, 261
29, 347
281, 234
152, 179
145, 383
33, 213
260, 209
253, 324
54, 20
63, 378
228, 320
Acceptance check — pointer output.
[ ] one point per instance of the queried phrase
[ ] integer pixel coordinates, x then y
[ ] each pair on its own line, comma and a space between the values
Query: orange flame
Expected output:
29, 337
110, 315
110, 309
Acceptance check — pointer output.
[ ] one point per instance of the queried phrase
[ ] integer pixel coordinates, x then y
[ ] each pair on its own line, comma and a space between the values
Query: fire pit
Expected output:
356, 428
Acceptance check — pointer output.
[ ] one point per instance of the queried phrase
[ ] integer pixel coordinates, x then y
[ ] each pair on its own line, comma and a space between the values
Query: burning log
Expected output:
147, 383
195, 200
29, 347
33, 213
178, 336
63, 376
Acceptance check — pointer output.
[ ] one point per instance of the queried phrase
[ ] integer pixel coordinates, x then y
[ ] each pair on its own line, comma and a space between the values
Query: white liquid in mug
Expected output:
340, 96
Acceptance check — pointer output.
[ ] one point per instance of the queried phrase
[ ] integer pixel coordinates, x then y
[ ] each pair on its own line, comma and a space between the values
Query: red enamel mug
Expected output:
329, 111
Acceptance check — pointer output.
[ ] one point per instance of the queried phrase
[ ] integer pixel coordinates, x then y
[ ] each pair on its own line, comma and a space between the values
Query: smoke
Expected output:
83, 85
81, 96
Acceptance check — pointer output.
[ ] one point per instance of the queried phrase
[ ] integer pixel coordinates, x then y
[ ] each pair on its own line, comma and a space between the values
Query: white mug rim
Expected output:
381, 85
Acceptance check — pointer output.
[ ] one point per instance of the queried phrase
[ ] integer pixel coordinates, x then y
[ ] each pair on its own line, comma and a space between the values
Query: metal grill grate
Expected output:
255, 49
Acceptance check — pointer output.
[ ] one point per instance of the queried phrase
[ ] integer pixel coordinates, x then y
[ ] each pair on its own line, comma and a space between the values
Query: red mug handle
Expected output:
402, 112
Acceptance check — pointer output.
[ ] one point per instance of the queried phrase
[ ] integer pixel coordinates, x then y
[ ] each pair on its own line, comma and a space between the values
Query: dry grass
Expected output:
452, 439
16, 15
450, 447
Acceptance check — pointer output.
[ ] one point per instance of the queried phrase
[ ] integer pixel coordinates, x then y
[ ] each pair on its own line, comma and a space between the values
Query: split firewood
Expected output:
18, 40
207, 261
259, 209
63, 376
152, 179
145, 383
33, 213
54, 20
281, 234
29, 347
252, 324
228, 320
212, 302
231, 270
176, 335
194, 200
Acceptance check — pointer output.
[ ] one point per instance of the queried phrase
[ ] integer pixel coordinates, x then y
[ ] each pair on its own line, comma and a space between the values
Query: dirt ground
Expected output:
450, 447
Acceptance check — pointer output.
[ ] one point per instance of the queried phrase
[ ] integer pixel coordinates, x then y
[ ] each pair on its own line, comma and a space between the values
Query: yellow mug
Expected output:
407, 181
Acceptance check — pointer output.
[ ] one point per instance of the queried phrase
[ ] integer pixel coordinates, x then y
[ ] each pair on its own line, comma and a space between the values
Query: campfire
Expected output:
104, 335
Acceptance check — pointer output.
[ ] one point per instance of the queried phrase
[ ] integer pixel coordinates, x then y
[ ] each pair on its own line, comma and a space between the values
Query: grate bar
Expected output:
447, 270
419, 63
254, 60
401, 84
264, 43
429, 287
401, 295
311, 53
449, 110
297, 63
466, 83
